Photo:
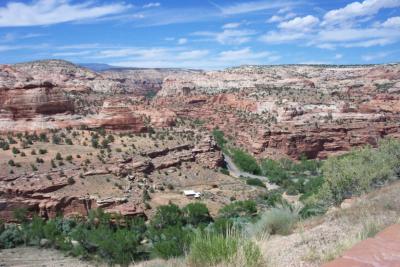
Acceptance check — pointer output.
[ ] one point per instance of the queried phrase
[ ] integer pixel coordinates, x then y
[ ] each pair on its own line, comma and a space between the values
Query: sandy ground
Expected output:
35, 257
323, 239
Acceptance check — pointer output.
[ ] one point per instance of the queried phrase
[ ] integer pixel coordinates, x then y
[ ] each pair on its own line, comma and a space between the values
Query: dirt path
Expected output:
236, 172
35, 257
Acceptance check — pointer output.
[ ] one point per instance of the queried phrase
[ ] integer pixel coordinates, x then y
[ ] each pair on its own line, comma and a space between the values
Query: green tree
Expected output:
196, 213
245, 161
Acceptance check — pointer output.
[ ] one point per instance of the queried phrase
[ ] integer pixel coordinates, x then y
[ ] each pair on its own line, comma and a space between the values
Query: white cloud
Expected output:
242, 54
369, 43
5, 48
392, 22
372, 57
247, 7
300, 23
234, 37
327, 46
338, 56
194, 54
356, 34
357, 9
284, 10
277, 18
274, 37
231, 25
200, 59
72, 54
149, 5
46, 12
80, 46
229, 36
145, 53
182, 41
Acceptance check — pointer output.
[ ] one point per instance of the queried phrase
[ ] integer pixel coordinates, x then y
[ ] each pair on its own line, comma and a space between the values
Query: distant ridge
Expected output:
98, 66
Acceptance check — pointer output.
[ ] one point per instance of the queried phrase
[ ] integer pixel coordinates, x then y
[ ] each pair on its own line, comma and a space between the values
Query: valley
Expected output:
246, 141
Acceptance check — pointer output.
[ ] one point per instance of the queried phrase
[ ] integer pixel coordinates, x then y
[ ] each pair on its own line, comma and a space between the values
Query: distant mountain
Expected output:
97, 66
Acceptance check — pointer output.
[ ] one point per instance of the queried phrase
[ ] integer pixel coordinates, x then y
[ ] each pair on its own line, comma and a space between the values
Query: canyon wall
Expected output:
276, 111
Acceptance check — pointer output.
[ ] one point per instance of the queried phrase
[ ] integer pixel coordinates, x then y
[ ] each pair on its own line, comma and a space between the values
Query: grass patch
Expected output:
275, 221
255, 182
224, 249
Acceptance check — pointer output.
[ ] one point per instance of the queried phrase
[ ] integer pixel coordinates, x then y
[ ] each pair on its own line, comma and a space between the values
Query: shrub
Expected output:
196, 213
116, 247
6, 146
275, 221
42, 151
95, 142
212, 249
273, 198
359, 171
245, 161
146, 195
223, 250
34, 168
166, 216
170, 242
15, 150
312, 209
68, 141
20, 214
219, 137
11, 237
55, 139
246, 208
274, 170
43, 137
224, 171
255, 182
58, 156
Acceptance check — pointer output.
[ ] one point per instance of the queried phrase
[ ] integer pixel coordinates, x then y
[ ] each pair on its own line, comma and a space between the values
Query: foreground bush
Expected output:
196, 214
246, 208
275, 221
359, 171
230, 249
11, 237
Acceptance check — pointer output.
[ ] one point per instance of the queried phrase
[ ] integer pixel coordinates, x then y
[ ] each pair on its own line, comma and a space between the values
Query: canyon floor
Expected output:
314, 242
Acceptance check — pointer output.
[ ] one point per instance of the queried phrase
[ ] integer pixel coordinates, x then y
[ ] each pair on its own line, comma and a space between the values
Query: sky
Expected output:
200, 34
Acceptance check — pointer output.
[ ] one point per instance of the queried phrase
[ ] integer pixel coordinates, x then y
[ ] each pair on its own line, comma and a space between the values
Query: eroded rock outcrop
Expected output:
292, 110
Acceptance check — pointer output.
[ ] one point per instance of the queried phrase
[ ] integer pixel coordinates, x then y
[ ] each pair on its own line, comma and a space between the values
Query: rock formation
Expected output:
292, 110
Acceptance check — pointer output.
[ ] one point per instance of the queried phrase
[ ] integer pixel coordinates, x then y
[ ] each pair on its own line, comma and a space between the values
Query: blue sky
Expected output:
201, 34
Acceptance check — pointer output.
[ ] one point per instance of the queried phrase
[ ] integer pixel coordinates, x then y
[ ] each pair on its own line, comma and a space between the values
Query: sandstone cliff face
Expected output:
279, 110
49, 94
324, 78
145, 82
23, 97
68, 76
116, 115
292, 110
